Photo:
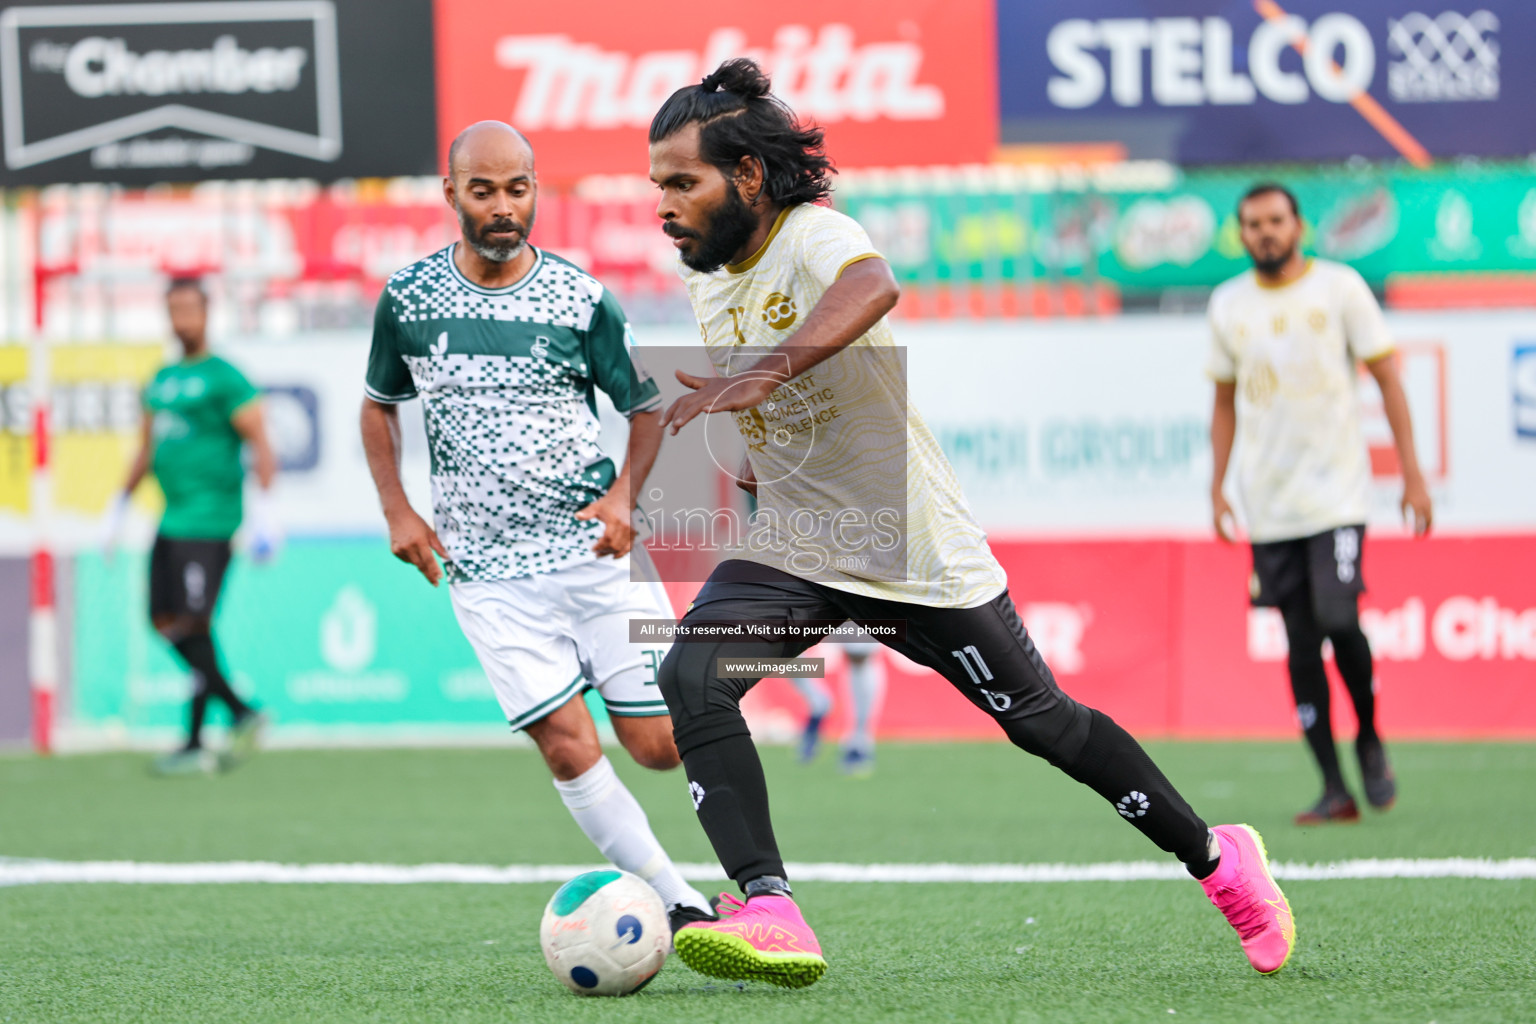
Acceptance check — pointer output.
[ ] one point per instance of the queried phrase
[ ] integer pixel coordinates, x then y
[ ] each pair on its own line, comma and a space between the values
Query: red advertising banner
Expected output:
896, 82
1159, 634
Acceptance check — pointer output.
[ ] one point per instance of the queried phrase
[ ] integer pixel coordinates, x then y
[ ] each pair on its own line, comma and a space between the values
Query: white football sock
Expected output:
611, 817
818, 701
866, 684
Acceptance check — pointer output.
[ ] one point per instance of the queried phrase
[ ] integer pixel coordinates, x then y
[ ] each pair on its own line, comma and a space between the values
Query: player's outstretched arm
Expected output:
615, 509
865, 292
1394, 402
138, 469
251, 426
265, 536
410, 538
1223, 430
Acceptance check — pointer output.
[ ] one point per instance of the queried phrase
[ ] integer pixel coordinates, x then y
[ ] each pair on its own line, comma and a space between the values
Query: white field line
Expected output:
37, 872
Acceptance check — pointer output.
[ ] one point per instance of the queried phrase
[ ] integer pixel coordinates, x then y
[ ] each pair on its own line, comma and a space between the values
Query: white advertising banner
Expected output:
1102, 427
1085, 428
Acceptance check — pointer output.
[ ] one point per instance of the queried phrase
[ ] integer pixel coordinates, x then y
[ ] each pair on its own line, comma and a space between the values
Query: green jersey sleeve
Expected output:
235, 389
388, 379
615, 365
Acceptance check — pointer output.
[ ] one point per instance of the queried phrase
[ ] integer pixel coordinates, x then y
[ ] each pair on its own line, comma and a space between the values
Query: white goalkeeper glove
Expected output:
266, 536
112, 527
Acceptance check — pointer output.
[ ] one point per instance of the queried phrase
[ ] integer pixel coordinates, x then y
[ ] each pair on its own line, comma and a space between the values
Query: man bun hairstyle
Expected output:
738, 116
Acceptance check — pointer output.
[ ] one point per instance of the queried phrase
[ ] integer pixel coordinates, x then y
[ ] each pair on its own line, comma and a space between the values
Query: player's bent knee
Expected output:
659, 757
1339, 619
174, 627
649, 741
1057, 734
704, 707
568, 755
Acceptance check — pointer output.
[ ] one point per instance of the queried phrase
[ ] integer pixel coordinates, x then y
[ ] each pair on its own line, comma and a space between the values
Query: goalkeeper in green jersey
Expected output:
198, 413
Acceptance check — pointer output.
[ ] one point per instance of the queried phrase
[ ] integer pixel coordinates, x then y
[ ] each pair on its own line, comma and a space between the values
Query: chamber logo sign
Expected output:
164, 85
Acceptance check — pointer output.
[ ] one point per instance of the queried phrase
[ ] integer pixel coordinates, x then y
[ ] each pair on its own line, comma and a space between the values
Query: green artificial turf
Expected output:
1389, 950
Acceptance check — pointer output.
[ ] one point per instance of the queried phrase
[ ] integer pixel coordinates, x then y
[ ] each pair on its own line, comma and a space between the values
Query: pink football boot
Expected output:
763, 939
1243, 889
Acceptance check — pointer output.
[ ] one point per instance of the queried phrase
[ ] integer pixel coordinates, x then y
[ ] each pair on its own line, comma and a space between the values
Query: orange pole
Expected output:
1364, 103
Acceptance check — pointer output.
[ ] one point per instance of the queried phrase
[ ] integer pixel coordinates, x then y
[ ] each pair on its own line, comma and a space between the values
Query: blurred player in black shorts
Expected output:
198, 413
1286, 340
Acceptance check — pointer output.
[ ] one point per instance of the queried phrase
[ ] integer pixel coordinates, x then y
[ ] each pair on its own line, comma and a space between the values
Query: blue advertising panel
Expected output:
1234, 81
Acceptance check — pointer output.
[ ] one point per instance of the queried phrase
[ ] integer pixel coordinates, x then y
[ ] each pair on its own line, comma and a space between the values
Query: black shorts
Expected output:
1324, 568
984, 651
185, 575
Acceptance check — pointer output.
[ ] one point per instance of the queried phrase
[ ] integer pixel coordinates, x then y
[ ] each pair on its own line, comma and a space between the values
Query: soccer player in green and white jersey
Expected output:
199, 412
505, 344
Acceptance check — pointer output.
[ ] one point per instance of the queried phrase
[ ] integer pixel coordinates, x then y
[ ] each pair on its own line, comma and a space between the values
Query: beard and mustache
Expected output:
728, 229
1272, 264
497, 251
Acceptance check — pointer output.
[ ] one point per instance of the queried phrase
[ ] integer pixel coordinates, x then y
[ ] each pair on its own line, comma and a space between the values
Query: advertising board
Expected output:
1159, 635
1199, 82
900, 82
137, 93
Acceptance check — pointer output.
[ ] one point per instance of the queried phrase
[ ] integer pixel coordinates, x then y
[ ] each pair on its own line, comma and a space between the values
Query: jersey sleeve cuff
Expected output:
387, 399
1220, 378
652, 404
1379, 356
857, 259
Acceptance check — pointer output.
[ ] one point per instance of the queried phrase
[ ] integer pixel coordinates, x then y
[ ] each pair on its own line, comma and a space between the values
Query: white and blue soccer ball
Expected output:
605, 933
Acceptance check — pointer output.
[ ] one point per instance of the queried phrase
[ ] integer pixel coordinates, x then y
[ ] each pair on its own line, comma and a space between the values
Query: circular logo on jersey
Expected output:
779, 311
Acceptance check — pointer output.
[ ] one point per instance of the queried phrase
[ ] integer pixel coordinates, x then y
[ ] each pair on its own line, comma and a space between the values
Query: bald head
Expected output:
494, 142
491, 186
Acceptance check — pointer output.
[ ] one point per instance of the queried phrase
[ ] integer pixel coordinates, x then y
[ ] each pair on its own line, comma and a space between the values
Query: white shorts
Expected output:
545, 638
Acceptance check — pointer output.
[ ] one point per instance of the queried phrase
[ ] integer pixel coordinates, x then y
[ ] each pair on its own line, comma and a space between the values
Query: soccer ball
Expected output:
605, 933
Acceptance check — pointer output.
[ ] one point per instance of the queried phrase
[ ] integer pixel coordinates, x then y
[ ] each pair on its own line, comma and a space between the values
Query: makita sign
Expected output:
826, 74
1288, 80
138, 92
898, 88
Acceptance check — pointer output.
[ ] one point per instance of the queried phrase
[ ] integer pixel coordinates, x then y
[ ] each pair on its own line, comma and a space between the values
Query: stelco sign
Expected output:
899, 86
139, 92
1246, 86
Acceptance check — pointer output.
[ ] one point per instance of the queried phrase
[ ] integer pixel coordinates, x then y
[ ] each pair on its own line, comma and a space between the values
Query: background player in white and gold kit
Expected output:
1285, 343
859, 517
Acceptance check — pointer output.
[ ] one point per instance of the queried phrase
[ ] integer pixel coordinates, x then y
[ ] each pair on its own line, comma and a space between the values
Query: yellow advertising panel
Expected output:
95, 420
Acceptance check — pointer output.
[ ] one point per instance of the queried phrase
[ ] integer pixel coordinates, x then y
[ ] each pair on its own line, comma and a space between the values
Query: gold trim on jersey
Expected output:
1267, 286
856, 259
751, 261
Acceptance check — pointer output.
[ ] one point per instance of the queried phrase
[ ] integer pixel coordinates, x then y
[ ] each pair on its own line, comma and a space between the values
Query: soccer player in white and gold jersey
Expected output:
859, 517
1285, 342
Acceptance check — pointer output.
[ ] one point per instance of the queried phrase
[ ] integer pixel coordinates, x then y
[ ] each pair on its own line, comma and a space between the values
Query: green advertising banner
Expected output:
1001, 228
334, 636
